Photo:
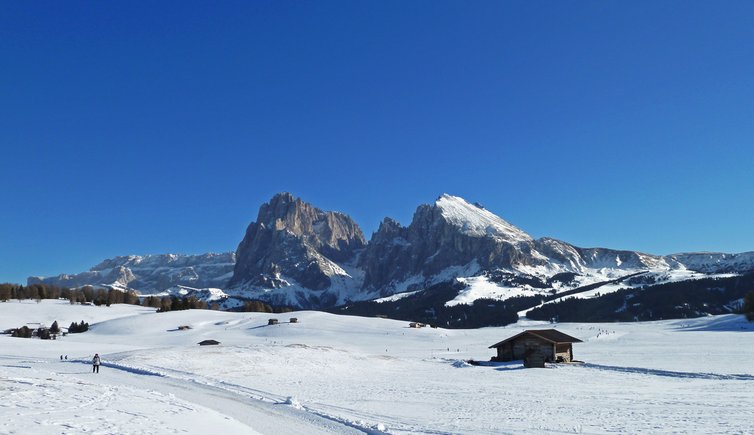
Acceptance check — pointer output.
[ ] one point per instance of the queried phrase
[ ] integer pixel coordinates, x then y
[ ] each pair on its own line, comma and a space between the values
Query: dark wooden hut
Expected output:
536, 346
208, 342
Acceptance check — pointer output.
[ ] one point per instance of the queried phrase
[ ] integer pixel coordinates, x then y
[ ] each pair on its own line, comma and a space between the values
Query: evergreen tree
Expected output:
23, 332
100, 297
88, 292
6, 292
131, 297
749, 306
166, 304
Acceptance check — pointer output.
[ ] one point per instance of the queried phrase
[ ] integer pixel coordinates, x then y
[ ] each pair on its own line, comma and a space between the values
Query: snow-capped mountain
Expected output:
449, 239
453, 238
151, 273
296, 254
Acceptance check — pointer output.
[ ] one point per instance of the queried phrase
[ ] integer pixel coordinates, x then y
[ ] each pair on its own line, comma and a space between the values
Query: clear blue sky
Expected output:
154, 127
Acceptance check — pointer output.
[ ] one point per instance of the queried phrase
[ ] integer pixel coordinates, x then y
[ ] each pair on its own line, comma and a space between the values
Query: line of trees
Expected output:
78, 327
174, 303
256, 306
673, 300
103, 296
86, 294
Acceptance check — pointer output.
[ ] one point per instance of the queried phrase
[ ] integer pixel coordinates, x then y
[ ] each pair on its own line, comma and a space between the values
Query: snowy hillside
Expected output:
340, 374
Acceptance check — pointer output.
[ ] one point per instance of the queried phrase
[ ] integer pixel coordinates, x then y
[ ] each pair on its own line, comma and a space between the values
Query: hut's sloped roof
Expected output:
551, 335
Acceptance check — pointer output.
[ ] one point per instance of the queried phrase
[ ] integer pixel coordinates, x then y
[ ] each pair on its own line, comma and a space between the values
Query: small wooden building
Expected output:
209, 343
272, 322
293, 320
536, 346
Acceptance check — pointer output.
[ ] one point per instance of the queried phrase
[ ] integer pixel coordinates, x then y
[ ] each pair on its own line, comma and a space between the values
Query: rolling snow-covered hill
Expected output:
344, 374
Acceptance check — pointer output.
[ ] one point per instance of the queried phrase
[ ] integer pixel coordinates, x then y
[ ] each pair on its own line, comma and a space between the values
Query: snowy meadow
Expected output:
341, 374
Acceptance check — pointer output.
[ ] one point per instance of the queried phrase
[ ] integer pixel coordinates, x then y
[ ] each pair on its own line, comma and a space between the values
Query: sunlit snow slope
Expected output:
339, 374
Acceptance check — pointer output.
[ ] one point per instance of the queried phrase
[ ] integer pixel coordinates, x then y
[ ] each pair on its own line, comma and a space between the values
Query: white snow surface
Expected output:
342, 374
476, 221
479, 287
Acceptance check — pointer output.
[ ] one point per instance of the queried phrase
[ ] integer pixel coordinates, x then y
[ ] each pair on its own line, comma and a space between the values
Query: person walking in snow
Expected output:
95, 363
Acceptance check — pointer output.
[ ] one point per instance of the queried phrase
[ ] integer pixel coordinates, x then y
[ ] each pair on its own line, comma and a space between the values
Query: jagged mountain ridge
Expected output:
453, 233
296, 254
453, 238
299, 248
151, 273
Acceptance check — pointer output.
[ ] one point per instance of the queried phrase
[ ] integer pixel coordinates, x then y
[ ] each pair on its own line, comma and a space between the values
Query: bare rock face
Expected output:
453, 237
292, 242
450, 232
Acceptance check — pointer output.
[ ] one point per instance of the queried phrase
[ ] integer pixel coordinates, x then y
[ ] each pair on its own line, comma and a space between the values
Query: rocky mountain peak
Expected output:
296, 254
449, 233
295, 243
474, 220
388, 230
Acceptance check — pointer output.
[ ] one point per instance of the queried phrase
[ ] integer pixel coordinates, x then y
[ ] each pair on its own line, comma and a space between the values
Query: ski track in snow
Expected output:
343, 374
242, 392
671, 374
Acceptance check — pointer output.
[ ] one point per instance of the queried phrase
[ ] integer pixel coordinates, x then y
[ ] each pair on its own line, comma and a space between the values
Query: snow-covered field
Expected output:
339, 374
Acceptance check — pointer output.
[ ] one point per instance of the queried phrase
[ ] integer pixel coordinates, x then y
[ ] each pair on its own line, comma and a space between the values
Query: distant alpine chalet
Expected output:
296, 254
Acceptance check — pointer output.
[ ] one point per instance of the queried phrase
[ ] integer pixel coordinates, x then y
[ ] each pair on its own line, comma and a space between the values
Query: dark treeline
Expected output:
674, 300
428, 306
86, 294
174, 303
102, 296
256, 306
748, 308
78, 327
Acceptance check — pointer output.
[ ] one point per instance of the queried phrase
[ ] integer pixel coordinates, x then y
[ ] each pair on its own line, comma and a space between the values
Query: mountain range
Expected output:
298, 255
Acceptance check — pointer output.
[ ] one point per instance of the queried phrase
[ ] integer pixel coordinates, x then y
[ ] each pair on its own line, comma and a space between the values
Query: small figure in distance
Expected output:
66, 357
95, 363
61, 357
